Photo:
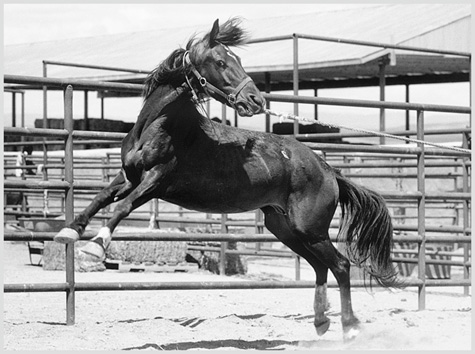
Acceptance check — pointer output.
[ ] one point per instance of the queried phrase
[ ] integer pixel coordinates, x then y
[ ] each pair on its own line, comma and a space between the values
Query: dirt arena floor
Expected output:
221, 319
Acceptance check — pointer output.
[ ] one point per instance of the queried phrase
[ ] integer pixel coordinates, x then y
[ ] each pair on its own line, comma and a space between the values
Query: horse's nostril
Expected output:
257, 100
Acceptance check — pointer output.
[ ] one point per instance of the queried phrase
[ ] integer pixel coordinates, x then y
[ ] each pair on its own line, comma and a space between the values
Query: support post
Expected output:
69, 203
382, 97
102, 107
13, 109
466, 212
86, 110
224, 246
224, 217
153, 224
45, 145
421, 211
315, 94
408, 112
268, 90
296, 113
23, 111
296, 79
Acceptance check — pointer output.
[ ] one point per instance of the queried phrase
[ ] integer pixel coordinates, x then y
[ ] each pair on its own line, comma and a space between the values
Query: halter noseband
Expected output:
207, 87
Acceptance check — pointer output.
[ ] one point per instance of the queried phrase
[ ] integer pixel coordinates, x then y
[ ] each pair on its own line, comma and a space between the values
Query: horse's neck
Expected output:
155, 104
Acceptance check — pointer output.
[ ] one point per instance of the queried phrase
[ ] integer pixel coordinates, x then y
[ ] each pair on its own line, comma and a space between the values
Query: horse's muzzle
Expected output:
253, 104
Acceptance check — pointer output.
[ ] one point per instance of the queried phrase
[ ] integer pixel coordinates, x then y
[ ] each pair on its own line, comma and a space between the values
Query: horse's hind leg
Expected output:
118, 188
340, 267
278, 225
309, 220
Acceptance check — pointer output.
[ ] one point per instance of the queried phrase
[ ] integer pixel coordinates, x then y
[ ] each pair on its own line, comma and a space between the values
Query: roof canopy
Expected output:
322, 64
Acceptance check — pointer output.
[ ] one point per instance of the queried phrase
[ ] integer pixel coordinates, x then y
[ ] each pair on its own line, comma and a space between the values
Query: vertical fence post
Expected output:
382, 97
421, 211
224, 217
296, 112
268, 88
153, 224
295, 79
258, 229
69, 203
105, 178
224, 246
466, 213
45, 145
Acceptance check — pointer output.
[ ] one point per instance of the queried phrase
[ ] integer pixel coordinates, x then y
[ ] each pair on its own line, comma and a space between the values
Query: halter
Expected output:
207, 87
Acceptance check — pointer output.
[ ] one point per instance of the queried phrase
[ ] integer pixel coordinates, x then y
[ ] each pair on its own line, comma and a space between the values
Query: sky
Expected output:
36, 22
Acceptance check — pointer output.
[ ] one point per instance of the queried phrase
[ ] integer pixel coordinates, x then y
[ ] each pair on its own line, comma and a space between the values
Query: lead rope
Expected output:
369, 132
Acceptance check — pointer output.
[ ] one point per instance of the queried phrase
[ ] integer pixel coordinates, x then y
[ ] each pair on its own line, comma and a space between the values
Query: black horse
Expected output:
176, 154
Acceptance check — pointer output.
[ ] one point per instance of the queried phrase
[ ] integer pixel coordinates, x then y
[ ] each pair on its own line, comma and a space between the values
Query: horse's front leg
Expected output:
117, 189
141, 194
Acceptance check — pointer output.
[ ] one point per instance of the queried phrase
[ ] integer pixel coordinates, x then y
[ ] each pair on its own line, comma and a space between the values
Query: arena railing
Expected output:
68, 185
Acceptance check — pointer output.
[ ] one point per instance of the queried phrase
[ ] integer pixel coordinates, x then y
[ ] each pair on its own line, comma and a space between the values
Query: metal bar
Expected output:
78, 84
34, 288
116, 142
99, 67
36, 184
268, 86
408, 121
90, 84
223, 247
98, 135
243, 252
421, 212
367, 103
218, 285
295, 79
289, 254
319, 136
382, 92
270, 39
399, 175
401, 149
55, 133
13, 109
69, 204
431, 261
174, 236
383, 164
224, 217
385, 45
466, 211
95, 185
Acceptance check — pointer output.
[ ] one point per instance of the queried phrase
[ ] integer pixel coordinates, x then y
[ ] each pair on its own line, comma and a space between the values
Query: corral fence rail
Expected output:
69, 185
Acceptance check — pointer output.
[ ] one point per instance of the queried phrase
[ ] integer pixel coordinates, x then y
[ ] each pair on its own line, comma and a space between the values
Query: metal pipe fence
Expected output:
70, 186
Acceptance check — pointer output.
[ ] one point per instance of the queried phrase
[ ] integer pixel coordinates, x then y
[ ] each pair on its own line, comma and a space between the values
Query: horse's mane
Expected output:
171, 70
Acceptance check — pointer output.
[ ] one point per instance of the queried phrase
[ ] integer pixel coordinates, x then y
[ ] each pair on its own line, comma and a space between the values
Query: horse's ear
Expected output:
213, 34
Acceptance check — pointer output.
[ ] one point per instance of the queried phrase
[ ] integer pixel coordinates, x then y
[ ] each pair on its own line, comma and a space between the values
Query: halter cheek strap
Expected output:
208, 87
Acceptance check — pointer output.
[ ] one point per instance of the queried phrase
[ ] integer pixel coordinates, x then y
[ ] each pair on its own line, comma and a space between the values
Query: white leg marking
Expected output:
351, 334
105, 234
320, 304
94, 248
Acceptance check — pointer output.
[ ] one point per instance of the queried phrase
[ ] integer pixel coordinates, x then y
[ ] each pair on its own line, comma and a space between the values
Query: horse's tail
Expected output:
366, 228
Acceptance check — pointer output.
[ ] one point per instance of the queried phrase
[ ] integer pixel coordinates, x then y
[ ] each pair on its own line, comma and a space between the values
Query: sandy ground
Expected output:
221, 319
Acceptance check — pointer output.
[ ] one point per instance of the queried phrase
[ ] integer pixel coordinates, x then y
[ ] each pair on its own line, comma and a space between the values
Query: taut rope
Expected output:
370, 132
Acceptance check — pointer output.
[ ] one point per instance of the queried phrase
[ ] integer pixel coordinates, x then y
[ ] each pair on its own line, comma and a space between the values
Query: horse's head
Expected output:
218, 71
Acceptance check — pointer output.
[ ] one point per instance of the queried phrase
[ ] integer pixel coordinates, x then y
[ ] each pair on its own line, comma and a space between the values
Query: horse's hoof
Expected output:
322, 327
351, 334
95, 250
66, 235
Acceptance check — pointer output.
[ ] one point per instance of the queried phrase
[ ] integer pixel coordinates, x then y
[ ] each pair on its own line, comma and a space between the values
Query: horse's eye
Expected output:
221, 63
